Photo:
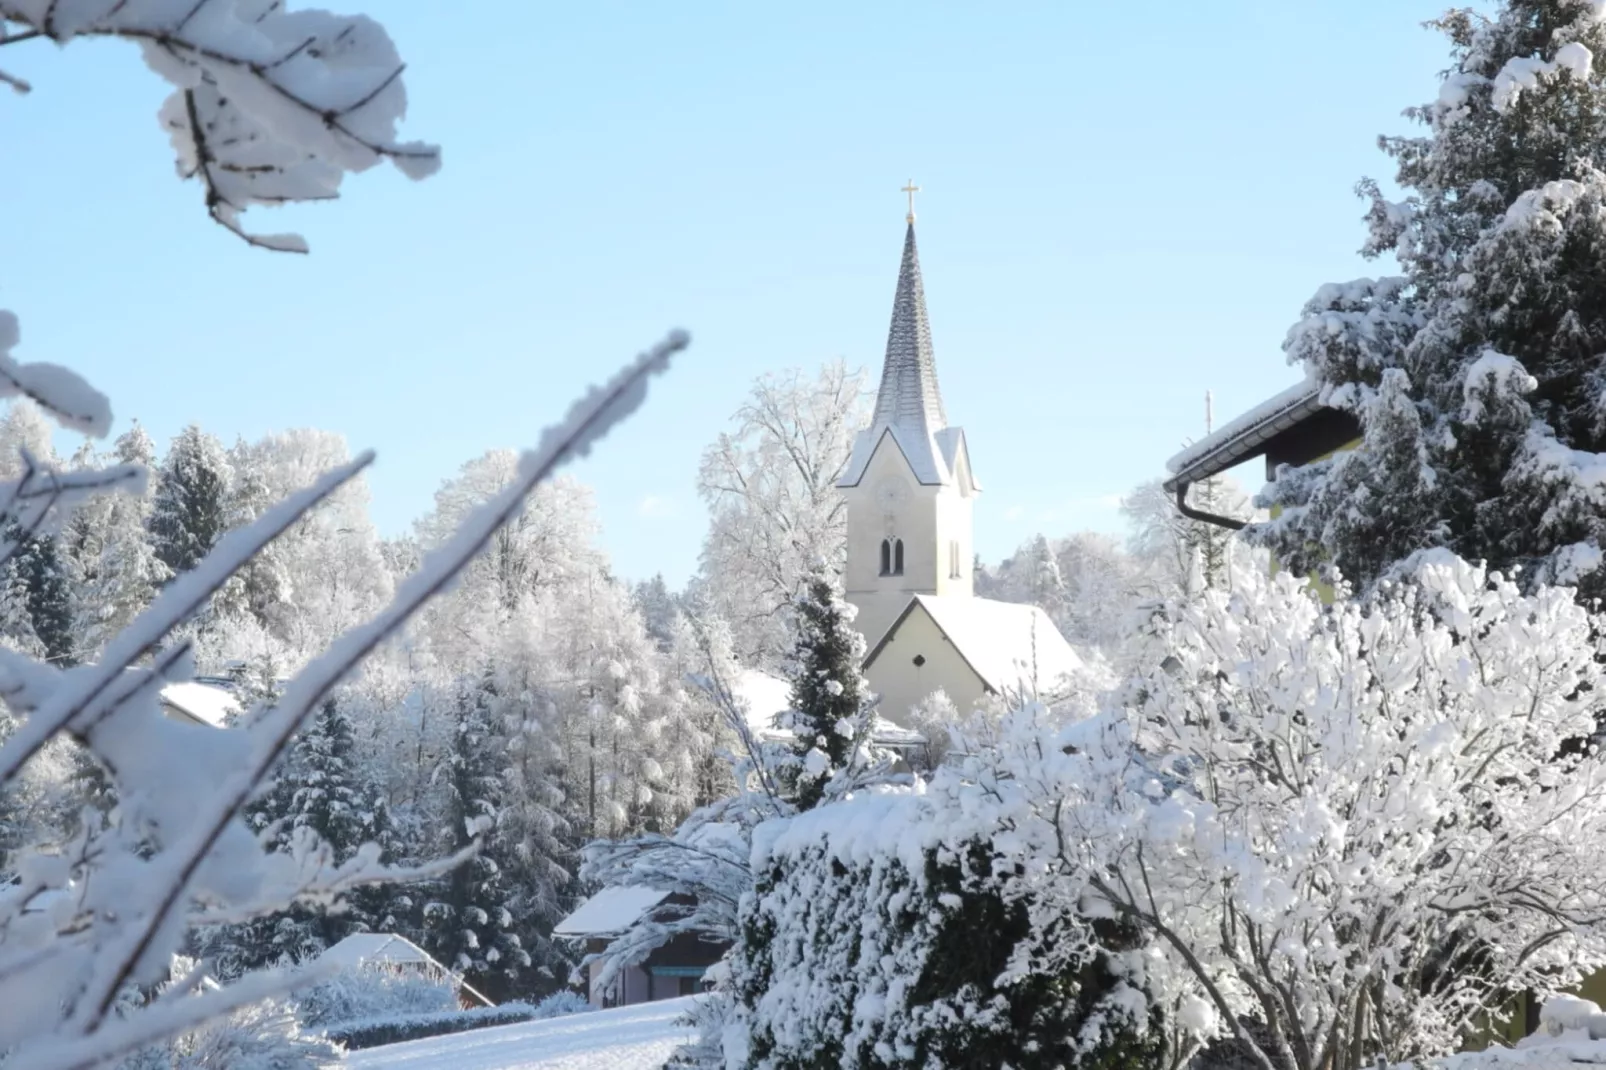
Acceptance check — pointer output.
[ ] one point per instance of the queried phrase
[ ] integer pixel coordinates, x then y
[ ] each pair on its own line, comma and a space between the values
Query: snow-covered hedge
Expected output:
393, 1029
880, 936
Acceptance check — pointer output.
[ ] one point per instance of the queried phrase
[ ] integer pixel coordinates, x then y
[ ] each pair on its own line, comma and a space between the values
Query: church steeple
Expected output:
909, 396
908, 483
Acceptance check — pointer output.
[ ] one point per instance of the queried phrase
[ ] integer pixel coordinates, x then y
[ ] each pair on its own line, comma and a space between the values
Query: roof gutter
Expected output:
1231, 523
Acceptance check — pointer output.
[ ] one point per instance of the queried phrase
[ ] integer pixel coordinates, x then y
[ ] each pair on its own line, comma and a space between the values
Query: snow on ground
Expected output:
627, 1038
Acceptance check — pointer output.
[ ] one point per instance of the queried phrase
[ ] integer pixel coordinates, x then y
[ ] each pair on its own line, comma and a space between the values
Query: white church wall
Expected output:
881, 598
902, 684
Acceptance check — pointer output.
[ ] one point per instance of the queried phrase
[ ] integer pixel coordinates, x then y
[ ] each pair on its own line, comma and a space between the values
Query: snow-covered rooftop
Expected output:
386, 948
1239, 439
1012, 647
609, 912
201, 703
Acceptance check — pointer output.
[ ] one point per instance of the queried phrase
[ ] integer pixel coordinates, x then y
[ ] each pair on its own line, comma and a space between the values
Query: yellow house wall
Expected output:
901, 684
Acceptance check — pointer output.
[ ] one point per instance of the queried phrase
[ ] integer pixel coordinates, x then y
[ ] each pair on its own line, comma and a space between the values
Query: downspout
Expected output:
1191, 513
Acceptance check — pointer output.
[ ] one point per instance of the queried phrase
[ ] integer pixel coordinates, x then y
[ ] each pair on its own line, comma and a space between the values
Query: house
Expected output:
196, 702
910, 493
1293, 427
391, 952
673, 970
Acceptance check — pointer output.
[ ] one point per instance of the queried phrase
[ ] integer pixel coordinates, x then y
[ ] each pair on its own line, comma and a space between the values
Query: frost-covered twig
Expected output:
271, 105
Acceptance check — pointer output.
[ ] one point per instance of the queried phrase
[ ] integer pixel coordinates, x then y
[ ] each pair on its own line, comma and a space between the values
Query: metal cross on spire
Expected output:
911, 189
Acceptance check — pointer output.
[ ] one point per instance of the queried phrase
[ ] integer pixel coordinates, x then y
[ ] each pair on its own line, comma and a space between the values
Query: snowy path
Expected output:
629, 1038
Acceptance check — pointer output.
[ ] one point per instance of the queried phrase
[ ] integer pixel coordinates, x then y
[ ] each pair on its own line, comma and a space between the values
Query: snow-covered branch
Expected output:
270, 106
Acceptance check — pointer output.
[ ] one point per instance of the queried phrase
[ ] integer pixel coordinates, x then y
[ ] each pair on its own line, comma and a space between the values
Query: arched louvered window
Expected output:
886, 557
897, 557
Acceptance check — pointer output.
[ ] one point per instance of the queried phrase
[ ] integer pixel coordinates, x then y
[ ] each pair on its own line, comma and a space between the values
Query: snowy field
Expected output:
629, 1038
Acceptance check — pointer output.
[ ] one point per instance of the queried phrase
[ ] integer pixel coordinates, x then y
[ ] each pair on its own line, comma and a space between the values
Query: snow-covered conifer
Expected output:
469, 924
1475, 375
190, 510
830, 716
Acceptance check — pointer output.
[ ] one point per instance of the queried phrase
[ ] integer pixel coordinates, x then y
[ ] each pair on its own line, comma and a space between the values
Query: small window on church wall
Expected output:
953, 560
886, 557
897, 557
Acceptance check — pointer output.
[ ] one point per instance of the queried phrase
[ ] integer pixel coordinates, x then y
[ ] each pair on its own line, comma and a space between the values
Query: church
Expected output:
910, 493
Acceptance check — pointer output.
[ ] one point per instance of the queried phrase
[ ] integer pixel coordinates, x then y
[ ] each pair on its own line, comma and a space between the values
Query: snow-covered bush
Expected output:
270, 106
1347, 833
374, 990
885, 932
266, 1035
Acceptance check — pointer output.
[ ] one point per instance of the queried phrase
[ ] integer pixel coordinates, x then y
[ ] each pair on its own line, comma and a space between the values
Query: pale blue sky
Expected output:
1124, 204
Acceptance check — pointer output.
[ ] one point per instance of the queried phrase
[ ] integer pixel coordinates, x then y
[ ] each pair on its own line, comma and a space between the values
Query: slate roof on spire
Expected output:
909, 393
909, 406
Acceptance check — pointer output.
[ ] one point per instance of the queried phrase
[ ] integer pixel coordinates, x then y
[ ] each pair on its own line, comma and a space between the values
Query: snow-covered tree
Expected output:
190, 511
1349, 834
704, 863
108, 555
1475, 375
830, 718
770, 488
24, 430
269, 107
469, 924
659, 609
1174, 553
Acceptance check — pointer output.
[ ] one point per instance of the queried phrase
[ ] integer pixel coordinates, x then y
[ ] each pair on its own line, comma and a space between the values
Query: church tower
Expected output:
908, 483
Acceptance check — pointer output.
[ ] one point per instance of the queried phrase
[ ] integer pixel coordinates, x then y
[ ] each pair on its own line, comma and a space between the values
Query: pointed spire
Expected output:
909, 395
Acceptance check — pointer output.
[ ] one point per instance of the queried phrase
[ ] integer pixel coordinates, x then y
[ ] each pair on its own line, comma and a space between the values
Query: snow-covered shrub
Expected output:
884, 932
374, 991
1348, 832
266, 1035
259, 1036
561, 1004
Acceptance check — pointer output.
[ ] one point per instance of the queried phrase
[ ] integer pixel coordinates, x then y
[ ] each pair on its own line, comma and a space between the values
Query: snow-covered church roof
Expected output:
1012, 647
908, 405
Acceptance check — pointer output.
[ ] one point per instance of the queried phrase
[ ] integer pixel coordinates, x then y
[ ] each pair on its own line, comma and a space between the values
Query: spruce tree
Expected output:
830, 716
470, 926
107, 551
1476, 376
190, 512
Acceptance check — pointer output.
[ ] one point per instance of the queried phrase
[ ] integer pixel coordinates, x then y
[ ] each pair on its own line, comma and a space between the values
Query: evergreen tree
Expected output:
1476, 376
830, 718
659, 610
1045, 585
37, 571
190, 511
470, 926
110, 561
